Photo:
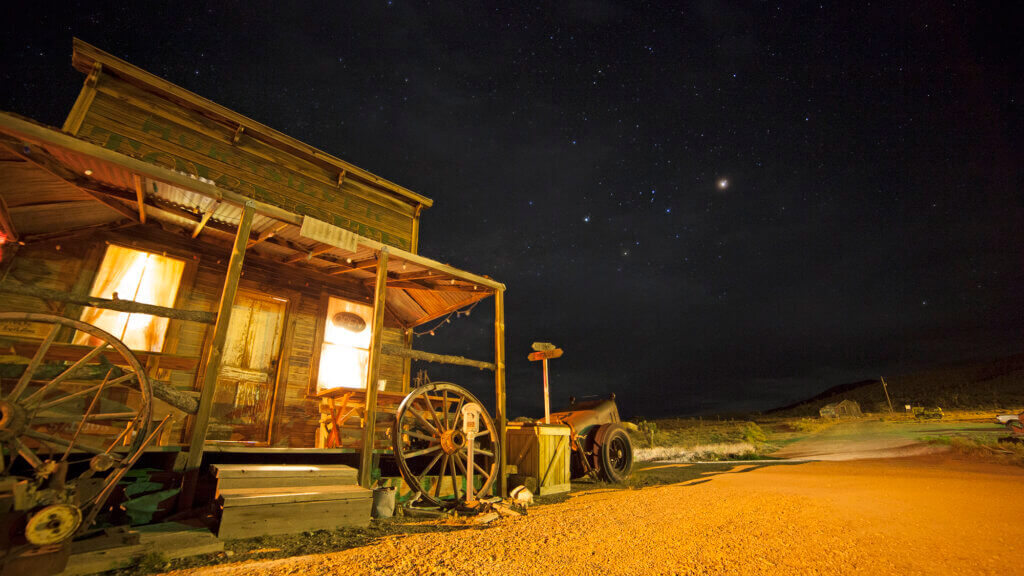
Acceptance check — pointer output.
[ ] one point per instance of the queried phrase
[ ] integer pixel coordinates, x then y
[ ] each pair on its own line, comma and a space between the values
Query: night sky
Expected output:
711, 207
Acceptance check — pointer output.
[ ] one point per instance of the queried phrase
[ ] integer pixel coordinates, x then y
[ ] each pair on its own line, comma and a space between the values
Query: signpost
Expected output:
544, 351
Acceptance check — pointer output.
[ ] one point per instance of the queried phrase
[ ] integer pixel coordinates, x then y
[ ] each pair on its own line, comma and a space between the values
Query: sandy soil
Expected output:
929, 514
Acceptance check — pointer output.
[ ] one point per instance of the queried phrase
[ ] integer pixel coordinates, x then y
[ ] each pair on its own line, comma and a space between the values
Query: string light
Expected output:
447, 320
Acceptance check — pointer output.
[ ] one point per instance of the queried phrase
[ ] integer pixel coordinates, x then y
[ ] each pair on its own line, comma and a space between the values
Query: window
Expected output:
145, 277
344, 358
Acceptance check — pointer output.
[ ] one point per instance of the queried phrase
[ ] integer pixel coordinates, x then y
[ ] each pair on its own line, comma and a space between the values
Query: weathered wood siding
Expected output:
297, 412
124, 117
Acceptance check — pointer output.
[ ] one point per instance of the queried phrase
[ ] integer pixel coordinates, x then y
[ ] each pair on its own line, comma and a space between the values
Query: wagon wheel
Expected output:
428, 440
84, 416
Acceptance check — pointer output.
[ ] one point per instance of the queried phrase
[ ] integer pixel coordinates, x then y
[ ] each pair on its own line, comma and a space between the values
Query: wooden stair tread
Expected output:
280, 471
291, 494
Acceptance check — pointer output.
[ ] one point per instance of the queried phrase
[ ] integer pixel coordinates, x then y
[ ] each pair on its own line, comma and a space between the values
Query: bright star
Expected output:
723, 184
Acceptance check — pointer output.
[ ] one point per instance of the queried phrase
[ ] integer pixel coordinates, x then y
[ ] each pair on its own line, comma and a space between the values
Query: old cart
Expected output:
189, 287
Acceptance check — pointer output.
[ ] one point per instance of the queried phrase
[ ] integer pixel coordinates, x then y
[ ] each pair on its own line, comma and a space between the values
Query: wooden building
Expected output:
283, 283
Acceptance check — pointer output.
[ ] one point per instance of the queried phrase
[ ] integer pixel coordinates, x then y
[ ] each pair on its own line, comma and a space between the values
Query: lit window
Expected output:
144, 277
344, 358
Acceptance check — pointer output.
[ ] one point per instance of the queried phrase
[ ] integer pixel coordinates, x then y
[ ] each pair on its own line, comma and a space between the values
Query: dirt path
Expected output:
924, 515
877, 439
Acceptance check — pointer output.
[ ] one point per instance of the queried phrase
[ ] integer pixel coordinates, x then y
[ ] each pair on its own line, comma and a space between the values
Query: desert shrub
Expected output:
753, 434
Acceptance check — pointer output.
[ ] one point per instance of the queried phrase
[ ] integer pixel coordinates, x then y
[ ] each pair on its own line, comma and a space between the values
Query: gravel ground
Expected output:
930, 514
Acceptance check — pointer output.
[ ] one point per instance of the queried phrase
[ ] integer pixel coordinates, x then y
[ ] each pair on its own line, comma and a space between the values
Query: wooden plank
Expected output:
281, 470
214, 354
373, 371
84, 100
121, 126
251, 521
140, 197
239, 497
500, 414
206, 218
108, 304
268, 234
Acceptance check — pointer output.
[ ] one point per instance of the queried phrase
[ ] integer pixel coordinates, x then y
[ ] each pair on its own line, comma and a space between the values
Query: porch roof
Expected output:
54, 184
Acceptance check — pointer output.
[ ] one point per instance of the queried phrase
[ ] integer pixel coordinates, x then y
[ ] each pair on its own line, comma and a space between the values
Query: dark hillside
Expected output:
993, 384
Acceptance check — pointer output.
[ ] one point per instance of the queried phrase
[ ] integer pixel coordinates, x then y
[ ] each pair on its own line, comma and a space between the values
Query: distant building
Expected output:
844, 409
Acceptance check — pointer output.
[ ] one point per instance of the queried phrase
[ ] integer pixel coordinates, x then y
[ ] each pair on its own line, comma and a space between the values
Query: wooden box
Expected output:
541, 451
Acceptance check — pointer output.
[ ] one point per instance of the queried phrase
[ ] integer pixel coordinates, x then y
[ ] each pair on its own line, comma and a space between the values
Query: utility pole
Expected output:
886, 388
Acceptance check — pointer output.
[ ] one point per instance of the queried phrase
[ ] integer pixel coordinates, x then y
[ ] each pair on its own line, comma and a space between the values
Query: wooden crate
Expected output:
541, 451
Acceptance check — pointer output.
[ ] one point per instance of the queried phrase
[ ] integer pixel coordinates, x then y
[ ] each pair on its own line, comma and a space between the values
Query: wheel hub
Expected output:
452, 441
53, 524
12, 420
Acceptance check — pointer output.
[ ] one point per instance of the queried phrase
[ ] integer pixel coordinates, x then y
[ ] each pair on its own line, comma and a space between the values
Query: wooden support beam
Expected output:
500, 414
140, 197
365, 264
410, 285
6, 223
214, 356
206, 218
267, 234
373, 372
119, 305
323, 249
394, 350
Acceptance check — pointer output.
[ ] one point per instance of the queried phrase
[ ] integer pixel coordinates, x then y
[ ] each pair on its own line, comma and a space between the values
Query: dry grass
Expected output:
722, 451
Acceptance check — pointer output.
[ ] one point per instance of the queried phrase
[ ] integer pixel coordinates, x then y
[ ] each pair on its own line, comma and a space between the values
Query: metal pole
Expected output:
547, 402
886, 388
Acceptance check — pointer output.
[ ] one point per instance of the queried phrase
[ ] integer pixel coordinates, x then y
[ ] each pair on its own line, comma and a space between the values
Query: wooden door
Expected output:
243, 403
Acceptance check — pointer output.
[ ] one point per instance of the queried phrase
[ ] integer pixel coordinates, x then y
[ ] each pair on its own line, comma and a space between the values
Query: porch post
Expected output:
373, 370
499, 388
214, 355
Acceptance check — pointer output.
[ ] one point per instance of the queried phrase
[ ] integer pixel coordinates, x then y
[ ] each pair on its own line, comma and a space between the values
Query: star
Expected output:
723, 183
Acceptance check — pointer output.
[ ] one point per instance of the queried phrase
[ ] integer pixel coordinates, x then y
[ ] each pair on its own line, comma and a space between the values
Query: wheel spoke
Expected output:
67, 373
89, 417
433, 414
423, 421
482, 471
26, 453
440, 476
33, 364
420, 436
455, 482
80, 393
458, 412
444, 404
423, 452
419, 479
482, 452
60, 441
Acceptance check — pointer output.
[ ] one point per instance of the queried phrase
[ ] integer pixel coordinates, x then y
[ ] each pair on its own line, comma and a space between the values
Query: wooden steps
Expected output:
235, 476
273, 499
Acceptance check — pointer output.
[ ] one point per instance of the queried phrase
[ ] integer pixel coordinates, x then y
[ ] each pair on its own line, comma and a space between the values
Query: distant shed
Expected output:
843, 409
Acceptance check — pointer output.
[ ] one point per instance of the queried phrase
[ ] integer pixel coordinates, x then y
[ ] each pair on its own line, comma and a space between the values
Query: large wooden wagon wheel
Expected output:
80, 415
429, 442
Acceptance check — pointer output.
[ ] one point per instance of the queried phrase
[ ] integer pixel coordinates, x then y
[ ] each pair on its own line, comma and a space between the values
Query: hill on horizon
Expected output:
990, 384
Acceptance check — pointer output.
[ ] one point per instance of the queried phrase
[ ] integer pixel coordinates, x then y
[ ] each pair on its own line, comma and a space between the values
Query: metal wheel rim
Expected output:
454, 467
619, 454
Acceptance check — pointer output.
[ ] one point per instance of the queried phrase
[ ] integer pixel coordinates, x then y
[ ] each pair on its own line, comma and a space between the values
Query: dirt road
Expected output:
931, 514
